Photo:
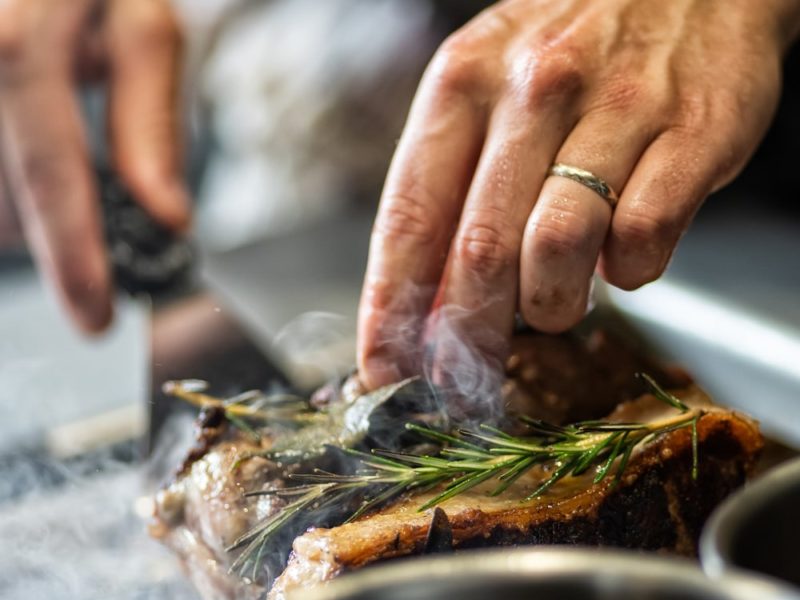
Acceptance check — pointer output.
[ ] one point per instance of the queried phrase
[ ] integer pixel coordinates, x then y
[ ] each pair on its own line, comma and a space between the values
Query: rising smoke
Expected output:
72, 530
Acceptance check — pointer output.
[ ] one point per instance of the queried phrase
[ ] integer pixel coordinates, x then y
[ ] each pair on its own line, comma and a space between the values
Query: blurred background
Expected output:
294, 108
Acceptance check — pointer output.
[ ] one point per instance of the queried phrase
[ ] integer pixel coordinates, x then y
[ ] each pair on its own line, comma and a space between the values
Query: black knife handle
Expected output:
145, 257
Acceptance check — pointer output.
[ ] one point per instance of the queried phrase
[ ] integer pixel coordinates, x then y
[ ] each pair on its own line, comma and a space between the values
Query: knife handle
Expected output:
145, 257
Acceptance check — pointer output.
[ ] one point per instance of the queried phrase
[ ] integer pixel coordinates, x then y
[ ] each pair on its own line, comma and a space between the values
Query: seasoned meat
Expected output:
570, 377
657, 506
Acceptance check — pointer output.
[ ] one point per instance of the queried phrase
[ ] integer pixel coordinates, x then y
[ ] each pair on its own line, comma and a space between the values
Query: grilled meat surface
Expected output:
657, 506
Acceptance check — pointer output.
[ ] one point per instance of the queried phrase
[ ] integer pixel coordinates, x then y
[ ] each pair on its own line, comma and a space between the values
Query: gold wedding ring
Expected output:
586, 178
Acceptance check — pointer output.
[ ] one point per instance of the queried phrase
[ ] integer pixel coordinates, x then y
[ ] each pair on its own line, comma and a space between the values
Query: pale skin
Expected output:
665, 101
47, 48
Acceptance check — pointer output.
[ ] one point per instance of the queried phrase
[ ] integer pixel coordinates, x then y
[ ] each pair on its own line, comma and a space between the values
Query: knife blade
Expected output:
192, 334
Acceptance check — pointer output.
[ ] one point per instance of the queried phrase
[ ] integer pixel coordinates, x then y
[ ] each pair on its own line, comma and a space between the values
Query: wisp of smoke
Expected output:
464, 359
82, 539
315, 347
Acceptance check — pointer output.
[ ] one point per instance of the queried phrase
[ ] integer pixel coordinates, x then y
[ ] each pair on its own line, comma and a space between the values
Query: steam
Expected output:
466, 367
71, 530
316, 347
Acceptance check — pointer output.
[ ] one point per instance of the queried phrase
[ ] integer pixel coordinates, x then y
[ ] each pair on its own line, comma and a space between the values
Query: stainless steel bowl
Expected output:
543, 574
758, 528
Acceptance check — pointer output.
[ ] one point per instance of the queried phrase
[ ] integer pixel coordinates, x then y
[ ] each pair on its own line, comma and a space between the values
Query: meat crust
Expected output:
657, 506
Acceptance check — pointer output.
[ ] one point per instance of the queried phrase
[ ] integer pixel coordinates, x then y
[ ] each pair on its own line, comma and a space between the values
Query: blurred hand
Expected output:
10, 234
46, 48
665, 101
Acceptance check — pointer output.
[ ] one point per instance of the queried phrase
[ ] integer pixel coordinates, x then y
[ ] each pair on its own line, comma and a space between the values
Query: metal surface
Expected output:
745, 358
543, 574
198, 337
757, 528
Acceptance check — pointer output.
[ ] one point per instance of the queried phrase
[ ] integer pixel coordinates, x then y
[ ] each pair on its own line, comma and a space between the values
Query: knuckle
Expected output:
555, 235
457, 68
461, 42
722, 155
643, 244
728, 106
541, 77
485, 249
378, 294
729, 160
694, 113
644, 230
76, 283
79, 271
405, 218
469, 61
83, 291
147, 175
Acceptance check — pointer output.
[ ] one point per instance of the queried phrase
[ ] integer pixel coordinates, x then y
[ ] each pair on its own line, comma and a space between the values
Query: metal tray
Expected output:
743, 358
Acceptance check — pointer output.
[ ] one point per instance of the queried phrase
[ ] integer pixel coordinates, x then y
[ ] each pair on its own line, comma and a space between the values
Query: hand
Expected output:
665, 101
46, 46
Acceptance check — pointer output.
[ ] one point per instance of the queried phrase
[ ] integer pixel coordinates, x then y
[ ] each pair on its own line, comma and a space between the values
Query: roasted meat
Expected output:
657, 505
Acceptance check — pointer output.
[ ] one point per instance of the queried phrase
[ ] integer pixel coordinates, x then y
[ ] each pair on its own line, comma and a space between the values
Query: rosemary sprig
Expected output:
465, 460
248, 411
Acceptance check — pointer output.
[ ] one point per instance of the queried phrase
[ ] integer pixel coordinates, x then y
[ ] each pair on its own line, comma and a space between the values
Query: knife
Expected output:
192, 334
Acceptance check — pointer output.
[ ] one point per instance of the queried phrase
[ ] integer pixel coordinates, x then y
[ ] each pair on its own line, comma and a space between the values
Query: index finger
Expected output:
10, 234
417, 216
144, 45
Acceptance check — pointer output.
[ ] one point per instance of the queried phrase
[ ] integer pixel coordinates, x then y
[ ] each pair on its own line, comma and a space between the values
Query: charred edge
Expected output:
721, 473
638, 515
